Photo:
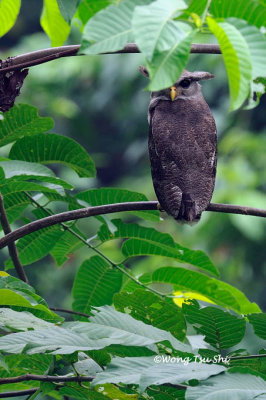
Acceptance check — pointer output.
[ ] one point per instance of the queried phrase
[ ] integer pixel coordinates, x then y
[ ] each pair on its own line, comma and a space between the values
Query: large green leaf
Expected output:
219, 292
228, 386
166, 67
256, 42
221, 329
151, 309
9, 10
67, 245
139, 247
95, 284
110, 29
237, 60
88, 8
122, 230
22, 170
53, 23
258, 321
36, 245
154, 28
51, 149
21, 321
15, 204
22, 120
68, 8
145, 371
253, 11
97, 197
14, 186
106, 327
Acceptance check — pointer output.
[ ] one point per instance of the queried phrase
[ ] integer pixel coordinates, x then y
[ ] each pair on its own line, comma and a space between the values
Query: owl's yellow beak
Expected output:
173, 92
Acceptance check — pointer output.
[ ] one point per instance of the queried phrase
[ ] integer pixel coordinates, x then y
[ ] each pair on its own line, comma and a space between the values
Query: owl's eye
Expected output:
185, 83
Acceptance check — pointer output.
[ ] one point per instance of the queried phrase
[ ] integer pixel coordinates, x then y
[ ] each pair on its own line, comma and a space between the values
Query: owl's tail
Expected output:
187, 211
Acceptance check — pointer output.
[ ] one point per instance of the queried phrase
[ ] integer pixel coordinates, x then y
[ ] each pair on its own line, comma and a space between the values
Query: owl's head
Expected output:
185, 87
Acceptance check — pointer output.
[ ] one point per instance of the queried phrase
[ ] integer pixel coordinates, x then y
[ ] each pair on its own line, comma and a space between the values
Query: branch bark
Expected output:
18, 393
45, 55
113, 208
13, 252
44, 378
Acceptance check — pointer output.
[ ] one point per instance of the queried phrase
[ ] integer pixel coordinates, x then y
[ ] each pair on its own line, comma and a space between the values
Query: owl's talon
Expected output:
159, 207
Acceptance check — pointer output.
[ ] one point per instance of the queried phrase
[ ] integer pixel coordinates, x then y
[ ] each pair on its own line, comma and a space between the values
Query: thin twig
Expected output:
18, 393
13, 252
45, 378
45, 55
64, 310
113, 208
247, 357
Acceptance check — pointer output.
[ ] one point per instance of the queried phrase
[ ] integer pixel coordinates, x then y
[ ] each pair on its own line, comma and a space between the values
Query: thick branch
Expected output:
13, 252
45, 378
45, 55
64, 310
113, 208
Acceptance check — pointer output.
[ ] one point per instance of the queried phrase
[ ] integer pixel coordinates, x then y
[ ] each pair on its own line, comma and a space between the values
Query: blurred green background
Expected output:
100, 101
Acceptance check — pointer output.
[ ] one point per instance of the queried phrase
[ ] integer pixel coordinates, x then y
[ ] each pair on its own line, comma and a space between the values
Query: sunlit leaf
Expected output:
219, 292
110, 29
154, 28
22, 120
221, 329
88, 8
145, 371
253, 11
21, 321
96, 197
237, 60
51, 149
9, 10
236, 386
95, 284
53, 23
139, 247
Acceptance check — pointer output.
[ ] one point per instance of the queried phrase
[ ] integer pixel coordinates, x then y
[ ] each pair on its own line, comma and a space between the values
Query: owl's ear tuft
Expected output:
143, 70
201, 75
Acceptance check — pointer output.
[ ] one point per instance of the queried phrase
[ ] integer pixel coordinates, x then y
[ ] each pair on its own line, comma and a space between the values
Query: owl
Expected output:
182, 147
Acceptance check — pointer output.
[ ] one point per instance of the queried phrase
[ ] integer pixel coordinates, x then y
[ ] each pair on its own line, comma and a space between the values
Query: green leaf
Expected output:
67, 245
166, 67
122, 230
237, 60
219, 292
74, 391
53, 23
253, 11
88, 8
144, 371
140, 247
258, 321
228, 386
22, 170
15, 204
9, 10
106, 327
110, 29
68, 8
256, 42
97, 197
154, 28
197, 7
20, 186
52, 148
36, 245
21, 321
149, 308
95, 284
221, 329
22, 120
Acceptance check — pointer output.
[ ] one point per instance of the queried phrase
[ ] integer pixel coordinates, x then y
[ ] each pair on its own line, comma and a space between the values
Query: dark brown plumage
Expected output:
182, 147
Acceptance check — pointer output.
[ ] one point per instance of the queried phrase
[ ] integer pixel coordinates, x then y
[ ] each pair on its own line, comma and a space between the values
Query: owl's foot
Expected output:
159, 207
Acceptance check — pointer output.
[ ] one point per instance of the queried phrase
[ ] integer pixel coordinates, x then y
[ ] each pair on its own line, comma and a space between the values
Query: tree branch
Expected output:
113, 208
64, 310
13, 252
45, 55
18, 393
45, 378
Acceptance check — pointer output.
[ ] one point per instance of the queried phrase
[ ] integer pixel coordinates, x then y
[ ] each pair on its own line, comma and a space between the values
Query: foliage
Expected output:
135, 341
